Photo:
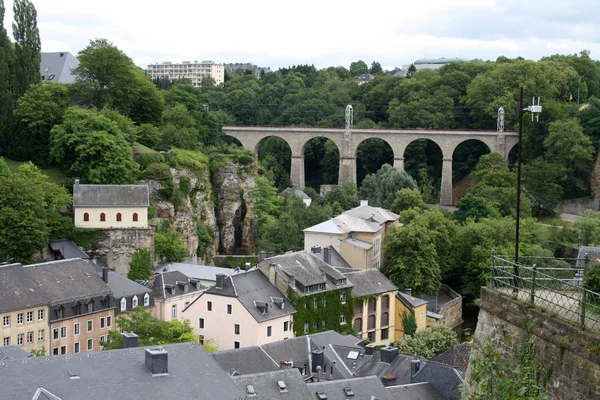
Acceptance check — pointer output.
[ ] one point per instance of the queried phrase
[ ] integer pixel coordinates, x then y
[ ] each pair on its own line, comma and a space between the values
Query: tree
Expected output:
27, 46
409, 323
411, 71
405, 199
542, 183
140, 267
169, 247
107, 76
148, 135
151, 331
375, 68
38, 110
30, 207
6, 72
380, 188
359, 68
411, 259
179, 129
93, 148
428, 342
589, 226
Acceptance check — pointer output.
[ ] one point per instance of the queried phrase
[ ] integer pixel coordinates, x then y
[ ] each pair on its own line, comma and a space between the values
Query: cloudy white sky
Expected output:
278, 33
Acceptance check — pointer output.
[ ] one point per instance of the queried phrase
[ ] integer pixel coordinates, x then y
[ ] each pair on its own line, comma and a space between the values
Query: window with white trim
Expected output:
174, 311
269, 331
30, 337
29, 316
76, 347
342, 319
229, 309
76, 329
146, 300
7, 341
40, 315
102, 322
63, 331
20, 339
41, 334
123, 304
55, 334
200, 323
6, 321
90, 325
90, 344
20, 318
134, 302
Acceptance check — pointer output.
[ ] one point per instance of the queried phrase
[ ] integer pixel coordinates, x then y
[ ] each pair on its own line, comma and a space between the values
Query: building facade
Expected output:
406, 304
194, 71
26, 328
173, 292
241, 310
110, 206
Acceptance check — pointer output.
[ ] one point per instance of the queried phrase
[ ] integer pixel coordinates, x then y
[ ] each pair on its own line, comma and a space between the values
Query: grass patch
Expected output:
55, 174
139, 148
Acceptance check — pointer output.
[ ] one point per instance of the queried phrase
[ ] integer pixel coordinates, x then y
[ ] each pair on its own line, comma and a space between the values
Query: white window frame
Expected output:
229, 309
20, 319
55, 334
6, 341
20, 338
102, 323
286, 326
88, 325
134, 302
63, 332
342, 319
174, 311
343, 297
238, 344
208, 305
6, 320
29, 317
30, 335
146, 300
76, 329
41, 334
123, 304
41, 314
239, 332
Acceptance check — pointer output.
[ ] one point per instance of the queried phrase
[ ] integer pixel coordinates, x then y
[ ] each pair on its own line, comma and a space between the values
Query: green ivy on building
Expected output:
326, 316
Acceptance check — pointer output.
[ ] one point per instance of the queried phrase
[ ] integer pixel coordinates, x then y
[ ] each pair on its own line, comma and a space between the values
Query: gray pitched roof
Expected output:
13, 352
446, 379
369, 282
456, 356
247, 360
169, 284
415, 391
110, 195
68, 249
252, 289
336, 258
119, 374
296, 191
48, 283
265, 385
363, 388
410, 301
197, 271
293, 349
123, 287
57, 67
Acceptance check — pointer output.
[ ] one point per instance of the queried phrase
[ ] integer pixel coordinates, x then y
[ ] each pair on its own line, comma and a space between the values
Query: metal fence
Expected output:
554, 285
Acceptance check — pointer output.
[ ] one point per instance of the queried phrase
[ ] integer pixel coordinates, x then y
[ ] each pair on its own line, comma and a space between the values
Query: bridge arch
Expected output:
321, 158
276, 154
465, 156
424, 153
371, 154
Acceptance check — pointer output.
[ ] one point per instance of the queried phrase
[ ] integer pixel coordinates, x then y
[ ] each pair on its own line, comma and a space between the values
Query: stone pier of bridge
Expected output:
347, 143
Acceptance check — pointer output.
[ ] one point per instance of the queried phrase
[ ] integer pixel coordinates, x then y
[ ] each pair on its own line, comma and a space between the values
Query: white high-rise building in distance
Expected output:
194, 71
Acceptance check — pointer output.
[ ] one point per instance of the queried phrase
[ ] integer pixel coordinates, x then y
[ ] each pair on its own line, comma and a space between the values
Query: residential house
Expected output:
177, 371
285, 384
364, 78
58, 67
445, 308
205, 274
128, 294
110, 206
433, 63
241, 310
405, 304
298, 192
356, 234
320, 292
173, 292
64, 306
360, 388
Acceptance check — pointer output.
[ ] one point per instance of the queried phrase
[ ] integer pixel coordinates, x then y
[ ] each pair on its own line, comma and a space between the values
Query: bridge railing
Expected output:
557, 288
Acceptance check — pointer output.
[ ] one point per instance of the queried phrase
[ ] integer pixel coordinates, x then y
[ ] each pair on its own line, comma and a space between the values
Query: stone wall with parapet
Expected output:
116, 246
565, 348
452, 310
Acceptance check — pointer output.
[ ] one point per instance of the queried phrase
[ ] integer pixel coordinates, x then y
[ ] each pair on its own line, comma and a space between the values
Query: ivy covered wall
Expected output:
323, 317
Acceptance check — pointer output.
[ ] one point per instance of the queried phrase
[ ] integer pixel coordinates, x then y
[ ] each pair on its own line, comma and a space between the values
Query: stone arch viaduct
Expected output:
348, 141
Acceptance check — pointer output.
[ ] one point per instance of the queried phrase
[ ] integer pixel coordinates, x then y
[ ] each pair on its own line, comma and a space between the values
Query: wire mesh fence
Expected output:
554, 285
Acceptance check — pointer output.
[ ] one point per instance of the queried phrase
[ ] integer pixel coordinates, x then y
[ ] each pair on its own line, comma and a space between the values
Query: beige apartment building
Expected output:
110, 206
173, 292
63, 306
241, 310
194, 71
357, 235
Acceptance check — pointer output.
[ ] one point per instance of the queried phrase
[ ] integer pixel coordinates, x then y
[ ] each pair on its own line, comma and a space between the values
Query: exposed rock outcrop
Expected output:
116, 246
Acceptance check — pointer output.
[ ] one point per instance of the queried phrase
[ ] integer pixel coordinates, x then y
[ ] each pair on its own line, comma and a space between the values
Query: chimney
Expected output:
408, 291
364, 203
105, 274
270, 254
370, 349
130, 340
415, 365
388, 354
272, 272
76, 184
327, 255
285, 364
261, 256
220, 281
318, 359
316, 249
388, 380
157, 361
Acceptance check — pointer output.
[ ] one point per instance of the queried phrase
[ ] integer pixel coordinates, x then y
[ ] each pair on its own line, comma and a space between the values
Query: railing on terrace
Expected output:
554, 285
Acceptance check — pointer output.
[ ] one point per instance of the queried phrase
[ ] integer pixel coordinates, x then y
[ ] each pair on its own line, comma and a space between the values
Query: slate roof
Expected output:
308, 269
336, 259
378, 214
369, 282
197, 271
251, 287
362, 387
68, 249
247, 360
119, 374
415, 391
60, 65
110, 195
50, 283
446, 379
265, 385
399, 367
358, 243
169, 284
410, 301
13, 352
124, 287
456, 356
297, 191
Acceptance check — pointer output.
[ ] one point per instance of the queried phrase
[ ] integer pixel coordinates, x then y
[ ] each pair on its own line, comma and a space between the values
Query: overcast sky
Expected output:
320, 32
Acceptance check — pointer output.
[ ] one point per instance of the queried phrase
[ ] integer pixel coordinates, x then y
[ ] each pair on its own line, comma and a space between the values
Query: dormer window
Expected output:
134, 302
146, 300
123, 304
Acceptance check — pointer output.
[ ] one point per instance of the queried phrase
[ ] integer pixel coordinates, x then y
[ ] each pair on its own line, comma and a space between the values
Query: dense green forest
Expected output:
103, 129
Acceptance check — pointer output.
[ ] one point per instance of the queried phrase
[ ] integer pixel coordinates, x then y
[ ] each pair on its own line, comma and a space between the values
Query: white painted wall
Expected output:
111, 217
322, 239
219, 326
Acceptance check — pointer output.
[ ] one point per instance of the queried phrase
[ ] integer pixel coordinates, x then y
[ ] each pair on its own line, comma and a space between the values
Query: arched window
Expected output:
146, 300
102, 217
385, 319
135, 217
371, 322
118, 217
86, 217
123, 304
358, 324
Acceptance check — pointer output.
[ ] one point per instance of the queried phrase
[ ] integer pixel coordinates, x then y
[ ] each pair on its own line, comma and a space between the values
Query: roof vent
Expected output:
250, 390
321, 396
73, 375
282, 386
348, 392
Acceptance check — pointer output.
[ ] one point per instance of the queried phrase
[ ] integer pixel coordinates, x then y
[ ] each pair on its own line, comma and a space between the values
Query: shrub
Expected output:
185, 185
428, 342
169, 247
245, 159
148, 135
592, 277
180, 159
145, 159
140, 266
159, 172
